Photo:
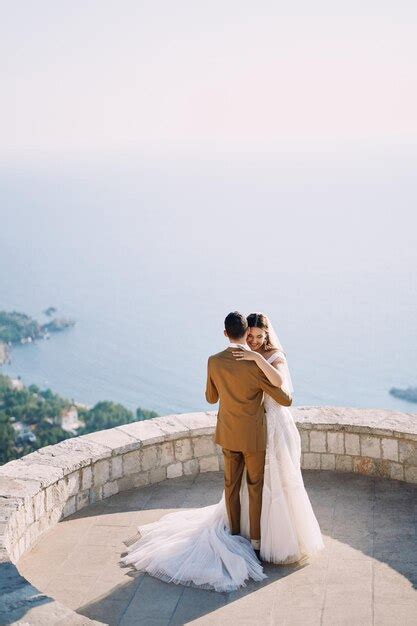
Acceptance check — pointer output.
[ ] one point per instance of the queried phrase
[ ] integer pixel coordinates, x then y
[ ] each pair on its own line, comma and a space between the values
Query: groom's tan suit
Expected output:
241, 429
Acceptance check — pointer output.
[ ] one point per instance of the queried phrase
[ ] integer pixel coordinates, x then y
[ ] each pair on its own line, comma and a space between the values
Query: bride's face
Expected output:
256, 338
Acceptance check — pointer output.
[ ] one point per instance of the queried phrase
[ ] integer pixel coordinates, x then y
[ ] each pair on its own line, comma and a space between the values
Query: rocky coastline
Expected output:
19, 328
409, 394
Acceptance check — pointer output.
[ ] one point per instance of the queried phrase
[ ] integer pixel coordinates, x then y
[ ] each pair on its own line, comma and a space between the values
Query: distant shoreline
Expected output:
409, 394
18, 328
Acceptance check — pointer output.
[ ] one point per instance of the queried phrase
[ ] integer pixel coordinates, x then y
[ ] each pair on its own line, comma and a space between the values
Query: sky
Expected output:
107, 76
291, 127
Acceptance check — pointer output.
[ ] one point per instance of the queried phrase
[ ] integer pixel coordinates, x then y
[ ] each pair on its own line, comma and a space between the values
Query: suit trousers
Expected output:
234, 464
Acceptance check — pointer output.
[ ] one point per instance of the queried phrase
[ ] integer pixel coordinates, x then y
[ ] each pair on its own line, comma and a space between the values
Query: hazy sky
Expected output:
153, 75
303, 121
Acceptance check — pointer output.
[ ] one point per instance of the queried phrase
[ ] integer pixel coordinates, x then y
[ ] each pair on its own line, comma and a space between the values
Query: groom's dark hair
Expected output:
235, 325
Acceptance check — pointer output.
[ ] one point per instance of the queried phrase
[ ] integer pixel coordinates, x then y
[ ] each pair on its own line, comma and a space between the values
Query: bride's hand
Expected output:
246, 355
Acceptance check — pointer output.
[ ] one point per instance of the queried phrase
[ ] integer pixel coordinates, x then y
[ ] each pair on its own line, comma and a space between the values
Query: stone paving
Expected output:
367, 575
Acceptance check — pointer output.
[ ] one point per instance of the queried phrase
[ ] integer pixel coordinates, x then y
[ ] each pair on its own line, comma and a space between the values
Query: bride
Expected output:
195, 547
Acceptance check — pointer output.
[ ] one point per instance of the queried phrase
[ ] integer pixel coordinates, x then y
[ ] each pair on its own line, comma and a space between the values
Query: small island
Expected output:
409, 394
18, 327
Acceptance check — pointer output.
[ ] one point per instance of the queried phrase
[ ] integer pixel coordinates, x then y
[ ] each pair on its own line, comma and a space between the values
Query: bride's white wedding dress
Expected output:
194, 547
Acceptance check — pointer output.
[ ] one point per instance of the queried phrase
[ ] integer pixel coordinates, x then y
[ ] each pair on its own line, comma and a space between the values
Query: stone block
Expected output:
73, 482
191, 467
56, 495
174, 470
17, 488
370, 446
83, 499
305, 440
111, 488
383, 468
396, 471
44, 474
344, 463
55, 515
39, 506
410, 474
364, 465
146, 431
352, 445
43, 524
327, 461
116, 440
70, 506
30, 536
172, 427
133, 481
157, 475
5, 536
209, 464
96, 494
389, 449
116, 467
311, 460
8, 515
21, 545
408, 452
203, 446
101, 472
132, 462
166, 453
86, 477
9, 506
70, 454
317, 441
149, 458
199, 423
183, 450
335, 443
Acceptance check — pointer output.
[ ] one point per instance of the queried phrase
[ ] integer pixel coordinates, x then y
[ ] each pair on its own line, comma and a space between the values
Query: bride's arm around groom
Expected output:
249, 376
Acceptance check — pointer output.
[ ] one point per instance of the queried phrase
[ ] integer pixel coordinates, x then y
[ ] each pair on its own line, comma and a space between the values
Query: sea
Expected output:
148, 253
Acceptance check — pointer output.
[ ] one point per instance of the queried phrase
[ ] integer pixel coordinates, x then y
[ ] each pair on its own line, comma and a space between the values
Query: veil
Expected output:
273, 337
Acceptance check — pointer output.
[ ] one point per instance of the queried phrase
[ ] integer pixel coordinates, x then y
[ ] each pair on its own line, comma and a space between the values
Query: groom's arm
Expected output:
212, 395
278, 393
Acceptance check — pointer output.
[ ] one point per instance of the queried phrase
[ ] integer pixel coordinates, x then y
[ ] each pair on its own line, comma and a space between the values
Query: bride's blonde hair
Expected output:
259, 320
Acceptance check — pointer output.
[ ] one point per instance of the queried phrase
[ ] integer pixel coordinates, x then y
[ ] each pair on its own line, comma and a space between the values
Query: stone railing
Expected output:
376, 442
46, 486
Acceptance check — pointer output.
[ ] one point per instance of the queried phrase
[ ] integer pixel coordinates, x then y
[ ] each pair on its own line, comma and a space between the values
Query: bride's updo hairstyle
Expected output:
259, 320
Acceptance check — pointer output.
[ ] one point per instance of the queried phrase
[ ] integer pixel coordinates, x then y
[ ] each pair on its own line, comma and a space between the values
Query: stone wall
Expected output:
44, 487
53, 482
367, 441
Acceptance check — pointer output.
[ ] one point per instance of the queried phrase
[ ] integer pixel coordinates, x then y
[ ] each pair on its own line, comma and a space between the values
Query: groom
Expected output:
241, 426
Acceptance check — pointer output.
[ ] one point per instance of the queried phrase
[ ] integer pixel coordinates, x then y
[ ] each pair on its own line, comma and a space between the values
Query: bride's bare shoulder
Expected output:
279, 356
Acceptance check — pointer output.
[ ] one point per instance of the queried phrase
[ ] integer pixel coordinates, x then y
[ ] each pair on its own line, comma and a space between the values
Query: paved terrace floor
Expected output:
367, 575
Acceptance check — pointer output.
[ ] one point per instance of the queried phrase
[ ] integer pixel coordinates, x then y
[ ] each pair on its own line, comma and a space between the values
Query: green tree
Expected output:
49, 434
7, 449
105, 415
144, 414
15, 326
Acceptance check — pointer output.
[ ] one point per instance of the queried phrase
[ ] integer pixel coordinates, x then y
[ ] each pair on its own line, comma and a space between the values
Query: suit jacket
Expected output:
240, 386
